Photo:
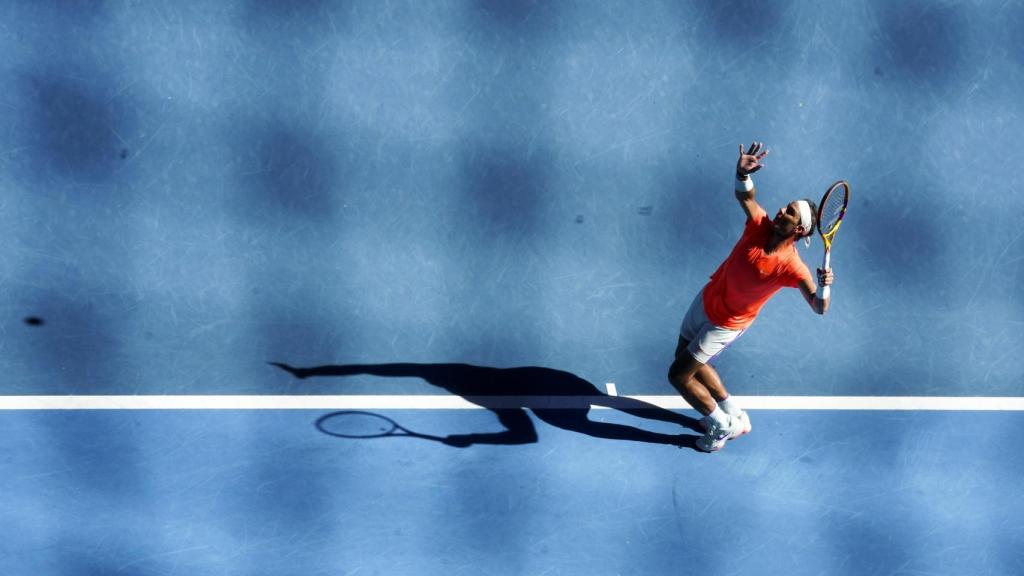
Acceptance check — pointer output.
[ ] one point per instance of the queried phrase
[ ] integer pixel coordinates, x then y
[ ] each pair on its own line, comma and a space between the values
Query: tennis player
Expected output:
763, 261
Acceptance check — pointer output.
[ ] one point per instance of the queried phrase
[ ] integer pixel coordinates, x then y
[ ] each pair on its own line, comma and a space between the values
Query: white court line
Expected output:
414, 402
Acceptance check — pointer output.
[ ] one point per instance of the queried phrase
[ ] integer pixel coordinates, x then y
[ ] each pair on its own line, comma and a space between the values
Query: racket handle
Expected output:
823, 291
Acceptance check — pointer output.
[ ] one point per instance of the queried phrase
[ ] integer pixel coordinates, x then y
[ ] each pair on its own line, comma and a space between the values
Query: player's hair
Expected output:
814, 217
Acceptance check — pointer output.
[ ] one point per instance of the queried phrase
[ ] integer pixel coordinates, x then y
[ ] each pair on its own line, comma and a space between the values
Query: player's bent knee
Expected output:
673, 373
683, 368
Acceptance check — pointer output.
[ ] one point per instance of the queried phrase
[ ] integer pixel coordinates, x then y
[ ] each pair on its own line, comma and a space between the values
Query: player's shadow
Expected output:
557, 397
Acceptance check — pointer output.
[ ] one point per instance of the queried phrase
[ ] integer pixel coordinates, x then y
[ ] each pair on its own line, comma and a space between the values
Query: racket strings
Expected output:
833, 210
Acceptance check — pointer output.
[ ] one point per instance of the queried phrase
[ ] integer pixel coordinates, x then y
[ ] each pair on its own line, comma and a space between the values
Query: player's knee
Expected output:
673, 372
683, 368
677, 372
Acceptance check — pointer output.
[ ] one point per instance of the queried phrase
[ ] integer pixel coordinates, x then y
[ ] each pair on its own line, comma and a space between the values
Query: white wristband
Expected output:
744, 185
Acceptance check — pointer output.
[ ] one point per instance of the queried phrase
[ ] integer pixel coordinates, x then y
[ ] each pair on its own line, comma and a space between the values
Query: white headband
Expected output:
805, 219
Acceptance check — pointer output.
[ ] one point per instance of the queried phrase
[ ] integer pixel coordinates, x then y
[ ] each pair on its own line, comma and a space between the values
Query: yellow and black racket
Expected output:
830, 216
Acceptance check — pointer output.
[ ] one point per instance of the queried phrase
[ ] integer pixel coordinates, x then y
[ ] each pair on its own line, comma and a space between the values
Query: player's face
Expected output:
786, 220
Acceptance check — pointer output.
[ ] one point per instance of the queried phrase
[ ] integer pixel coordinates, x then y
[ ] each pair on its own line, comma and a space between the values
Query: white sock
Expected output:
730, 407
719, 417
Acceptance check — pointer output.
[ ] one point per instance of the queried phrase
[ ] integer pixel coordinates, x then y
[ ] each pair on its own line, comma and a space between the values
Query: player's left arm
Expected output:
809, 289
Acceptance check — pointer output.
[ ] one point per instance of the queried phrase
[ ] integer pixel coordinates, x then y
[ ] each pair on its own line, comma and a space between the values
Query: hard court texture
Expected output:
191, 190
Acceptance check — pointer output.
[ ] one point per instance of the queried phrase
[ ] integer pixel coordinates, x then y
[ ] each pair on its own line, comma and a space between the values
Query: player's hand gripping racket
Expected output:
830, 216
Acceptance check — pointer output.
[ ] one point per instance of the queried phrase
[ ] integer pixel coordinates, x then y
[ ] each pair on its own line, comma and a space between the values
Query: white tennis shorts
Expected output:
706, 339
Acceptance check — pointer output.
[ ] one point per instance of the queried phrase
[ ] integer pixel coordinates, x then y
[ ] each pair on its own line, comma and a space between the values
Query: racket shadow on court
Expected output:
556, 397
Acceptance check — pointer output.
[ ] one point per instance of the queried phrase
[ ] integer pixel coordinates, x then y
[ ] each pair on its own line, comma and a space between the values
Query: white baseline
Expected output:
445, 402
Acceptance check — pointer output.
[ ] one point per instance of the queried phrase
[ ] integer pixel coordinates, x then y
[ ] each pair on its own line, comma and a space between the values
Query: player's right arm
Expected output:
747, 164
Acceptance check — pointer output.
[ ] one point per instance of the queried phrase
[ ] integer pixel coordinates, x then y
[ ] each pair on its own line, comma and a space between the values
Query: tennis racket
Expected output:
830, 216
359, 424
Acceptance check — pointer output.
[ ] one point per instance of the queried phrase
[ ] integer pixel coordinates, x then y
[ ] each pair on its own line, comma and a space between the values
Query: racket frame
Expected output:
828, 237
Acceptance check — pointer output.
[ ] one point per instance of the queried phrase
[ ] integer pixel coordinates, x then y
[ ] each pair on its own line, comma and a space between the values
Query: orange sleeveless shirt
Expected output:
749, 278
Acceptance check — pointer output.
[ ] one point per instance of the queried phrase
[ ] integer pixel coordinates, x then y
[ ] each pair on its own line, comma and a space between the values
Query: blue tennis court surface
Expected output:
425, 199
265, 492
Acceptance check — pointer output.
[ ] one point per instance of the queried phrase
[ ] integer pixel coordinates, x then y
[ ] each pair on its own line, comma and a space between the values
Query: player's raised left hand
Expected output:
750, 161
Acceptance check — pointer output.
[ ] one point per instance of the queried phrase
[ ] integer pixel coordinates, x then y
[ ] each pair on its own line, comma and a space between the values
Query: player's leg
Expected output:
707, 342
698, 383
681, 374
686, 364
718, 425
708, 376
704, 375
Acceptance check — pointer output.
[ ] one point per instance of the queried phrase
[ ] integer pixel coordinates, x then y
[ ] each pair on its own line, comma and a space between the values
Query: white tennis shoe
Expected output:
716, 436
745, 422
